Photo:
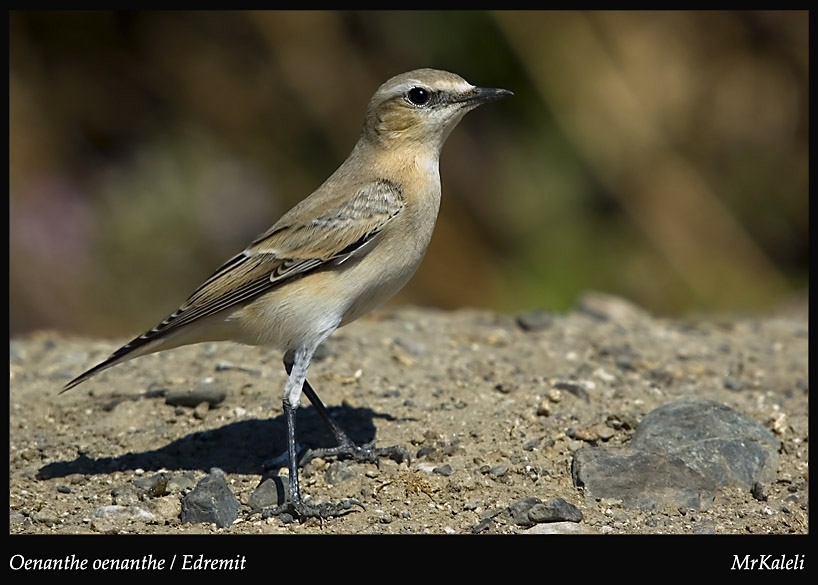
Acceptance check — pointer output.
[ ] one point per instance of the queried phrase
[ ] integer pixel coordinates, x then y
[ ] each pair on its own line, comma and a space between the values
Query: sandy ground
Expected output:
491, 413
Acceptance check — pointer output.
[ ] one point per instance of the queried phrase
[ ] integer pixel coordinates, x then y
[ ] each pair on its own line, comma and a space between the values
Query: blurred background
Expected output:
659, 156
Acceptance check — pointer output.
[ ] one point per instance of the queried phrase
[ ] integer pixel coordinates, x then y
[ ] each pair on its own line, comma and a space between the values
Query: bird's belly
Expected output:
306, 310
370, 281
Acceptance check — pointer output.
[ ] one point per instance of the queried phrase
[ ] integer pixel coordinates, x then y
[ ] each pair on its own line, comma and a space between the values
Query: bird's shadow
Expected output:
240, 447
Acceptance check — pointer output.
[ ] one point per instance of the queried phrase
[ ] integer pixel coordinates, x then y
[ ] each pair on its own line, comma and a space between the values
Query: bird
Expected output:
338, 254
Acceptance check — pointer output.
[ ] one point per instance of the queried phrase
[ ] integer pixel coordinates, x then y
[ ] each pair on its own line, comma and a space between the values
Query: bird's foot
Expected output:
300, 510
367, 453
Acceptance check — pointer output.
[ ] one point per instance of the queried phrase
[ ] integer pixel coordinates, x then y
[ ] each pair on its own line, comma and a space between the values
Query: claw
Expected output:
362, 453
302, 510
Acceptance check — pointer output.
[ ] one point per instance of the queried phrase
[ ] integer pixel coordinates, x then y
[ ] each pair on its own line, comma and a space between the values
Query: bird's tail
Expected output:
137, 347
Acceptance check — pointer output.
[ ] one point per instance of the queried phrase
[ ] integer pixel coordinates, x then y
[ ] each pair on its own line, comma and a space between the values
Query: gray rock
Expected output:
531, 510
711, 438
757, 492
424, 451
519, 509
505, 387
535, 320
210, 392
575, 388
180, 483
680, 456
211, 501
733, 384
201, 410
498, 471
482, 526
125, 495
47, 517
115, 512
166, 509
556, 510
270, 493
412, 346
339, 471
646, 481
153, 486
605, 307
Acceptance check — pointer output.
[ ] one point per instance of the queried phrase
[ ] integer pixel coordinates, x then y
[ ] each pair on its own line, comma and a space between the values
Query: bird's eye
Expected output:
418, 96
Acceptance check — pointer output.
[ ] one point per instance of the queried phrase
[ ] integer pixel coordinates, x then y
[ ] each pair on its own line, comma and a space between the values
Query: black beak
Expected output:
482, 95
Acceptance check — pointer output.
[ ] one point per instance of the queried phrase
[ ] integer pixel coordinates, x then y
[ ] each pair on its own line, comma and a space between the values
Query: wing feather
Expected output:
294, 246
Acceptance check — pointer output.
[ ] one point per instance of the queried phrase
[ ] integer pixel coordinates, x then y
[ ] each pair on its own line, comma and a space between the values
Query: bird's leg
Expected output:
346, 447
295, 505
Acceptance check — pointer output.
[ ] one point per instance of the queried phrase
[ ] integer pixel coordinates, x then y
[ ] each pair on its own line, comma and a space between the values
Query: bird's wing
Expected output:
295, 245
306, 238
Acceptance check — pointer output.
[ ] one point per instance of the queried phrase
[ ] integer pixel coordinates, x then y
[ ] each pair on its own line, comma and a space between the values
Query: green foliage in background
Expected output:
661, 156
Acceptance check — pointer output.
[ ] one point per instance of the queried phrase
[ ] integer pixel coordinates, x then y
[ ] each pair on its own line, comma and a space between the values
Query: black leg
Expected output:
295, 491
295, 506
346, 447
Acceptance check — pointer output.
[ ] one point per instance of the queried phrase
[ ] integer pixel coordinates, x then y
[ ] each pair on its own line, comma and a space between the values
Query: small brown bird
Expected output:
335, 256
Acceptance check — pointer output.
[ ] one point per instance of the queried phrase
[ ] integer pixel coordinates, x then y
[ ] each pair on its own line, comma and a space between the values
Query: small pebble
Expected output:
733, 384
210, 392
270, 493
482, 526
535, 320
180, 483
556, 510
339, 471
544, 408
201, 410
412, 346
498, 471
575, 388
153, 486
123, 512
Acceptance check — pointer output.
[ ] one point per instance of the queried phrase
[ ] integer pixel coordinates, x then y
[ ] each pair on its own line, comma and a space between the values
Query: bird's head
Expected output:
423, 106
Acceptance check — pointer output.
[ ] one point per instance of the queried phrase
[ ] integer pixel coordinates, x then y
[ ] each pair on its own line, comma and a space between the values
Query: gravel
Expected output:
499, 409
